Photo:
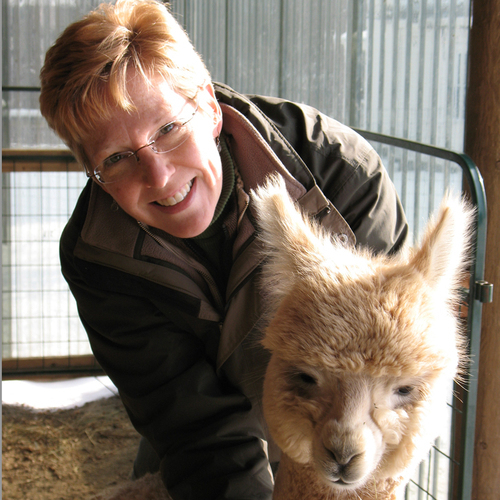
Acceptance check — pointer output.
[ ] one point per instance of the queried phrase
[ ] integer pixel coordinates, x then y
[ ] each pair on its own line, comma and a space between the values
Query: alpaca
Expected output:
363, 350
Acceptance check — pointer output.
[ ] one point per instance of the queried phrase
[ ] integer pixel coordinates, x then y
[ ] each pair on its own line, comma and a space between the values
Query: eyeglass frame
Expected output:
95, 175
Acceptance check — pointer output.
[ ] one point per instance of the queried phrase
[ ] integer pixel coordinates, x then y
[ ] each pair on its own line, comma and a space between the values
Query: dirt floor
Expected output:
66, 454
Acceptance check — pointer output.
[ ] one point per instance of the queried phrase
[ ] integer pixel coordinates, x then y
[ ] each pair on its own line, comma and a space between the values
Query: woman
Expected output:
160, 252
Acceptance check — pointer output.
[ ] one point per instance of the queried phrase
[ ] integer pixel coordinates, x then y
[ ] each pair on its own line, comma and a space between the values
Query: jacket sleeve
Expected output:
346, 168
211, 446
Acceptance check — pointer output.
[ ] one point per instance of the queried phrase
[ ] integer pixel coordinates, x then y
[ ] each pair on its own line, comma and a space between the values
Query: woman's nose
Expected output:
154, 168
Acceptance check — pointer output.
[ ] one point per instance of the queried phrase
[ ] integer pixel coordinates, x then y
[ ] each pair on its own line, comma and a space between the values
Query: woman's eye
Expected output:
167, 128
112, 160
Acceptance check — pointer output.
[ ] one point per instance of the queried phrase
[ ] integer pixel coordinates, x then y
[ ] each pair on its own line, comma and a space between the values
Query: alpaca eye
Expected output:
301, 383
307, 379
404, 391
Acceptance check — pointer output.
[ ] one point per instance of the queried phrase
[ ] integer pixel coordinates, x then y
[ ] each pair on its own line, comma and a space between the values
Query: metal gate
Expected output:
422, 174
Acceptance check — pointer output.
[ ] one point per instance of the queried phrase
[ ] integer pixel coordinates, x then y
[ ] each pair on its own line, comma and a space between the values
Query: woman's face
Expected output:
176, 191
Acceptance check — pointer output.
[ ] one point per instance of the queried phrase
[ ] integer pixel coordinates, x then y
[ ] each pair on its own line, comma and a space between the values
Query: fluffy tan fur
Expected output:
364, 349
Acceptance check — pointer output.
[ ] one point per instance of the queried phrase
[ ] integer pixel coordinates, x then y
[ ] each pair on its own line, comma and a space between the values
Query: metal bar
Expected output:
9, 88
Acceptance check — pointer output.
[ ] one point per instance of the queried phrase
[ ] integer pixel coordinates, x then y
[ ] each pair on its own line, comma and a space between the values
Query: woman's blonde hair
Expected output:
84, 76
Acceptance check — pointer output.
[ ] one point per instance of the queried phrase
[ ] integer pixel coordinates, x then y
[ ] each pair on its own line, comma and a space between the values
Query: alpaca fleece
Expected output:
364, 350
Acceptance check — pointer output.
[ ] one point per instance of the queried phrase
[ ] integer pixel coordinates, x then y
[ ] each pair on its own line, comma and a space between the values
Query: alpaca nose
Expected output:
346, 467
343, 457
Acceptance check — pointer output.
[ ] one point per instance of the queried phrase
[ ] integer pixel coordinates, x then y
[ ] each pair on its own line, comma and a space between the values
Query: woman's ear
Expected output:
212, 106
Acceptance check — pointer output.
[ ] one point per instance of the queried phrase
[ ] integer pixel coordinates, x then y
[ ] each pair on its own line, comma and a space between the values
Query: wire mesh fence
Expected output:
40, 324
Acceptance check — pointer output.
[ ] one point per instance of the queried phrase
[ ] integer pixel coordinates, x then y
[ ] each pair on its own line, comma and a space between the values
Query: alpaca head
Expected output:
363, 347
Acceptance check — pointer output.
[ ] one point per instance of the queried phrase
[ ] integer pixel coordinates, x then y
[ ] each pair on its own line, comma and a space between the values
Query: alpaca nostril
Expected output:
342, 457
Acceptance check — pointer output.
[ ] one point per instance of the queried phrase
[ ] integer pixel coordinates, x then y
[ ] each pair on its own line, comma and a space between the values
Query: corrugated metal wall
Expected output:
391, 66
29, 27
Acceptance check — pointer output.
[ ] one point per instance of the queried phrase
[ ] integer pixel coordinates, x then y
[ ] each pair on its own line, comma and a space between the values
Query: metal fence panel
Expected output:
39, 316
455, 448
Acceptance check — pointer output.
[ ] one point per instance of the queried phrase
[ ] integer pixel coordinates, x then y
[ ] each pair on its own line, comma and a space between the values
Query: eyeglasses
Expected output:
170, 136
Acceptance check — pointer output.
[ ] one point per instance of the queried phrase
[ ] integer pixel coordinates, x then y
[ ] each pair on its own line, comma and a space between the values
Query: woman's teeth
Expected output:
178, 197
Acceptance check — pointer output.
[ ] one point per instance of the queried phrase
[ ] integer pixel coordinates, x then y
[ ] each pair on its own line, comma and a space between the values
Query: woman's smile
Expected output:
177, 197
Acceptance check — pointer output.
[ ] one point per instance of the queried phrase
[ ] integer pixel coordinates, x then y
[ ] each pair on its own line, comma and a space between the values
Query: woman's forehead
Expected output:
154, 105
156, 93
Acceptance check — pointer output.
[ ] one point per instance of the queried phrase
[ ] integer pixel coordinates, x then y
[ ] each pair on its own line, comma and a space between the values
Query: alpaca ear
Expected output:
442, 255
290, 240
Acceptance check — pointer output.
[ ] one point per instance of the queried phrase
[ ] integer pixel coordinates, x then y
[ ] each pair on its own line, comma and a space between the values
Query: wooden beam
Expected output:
482, 144
38, 160
29, 367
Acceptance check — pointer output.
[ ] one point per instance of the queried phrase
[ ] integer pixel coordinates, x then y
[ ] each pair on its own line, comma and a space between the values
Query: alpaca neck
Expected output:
296, 481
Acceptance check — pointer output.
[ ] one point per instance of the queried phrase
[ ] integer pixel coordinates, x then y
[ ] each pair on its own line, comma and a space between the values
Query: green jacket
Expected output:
181, 347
